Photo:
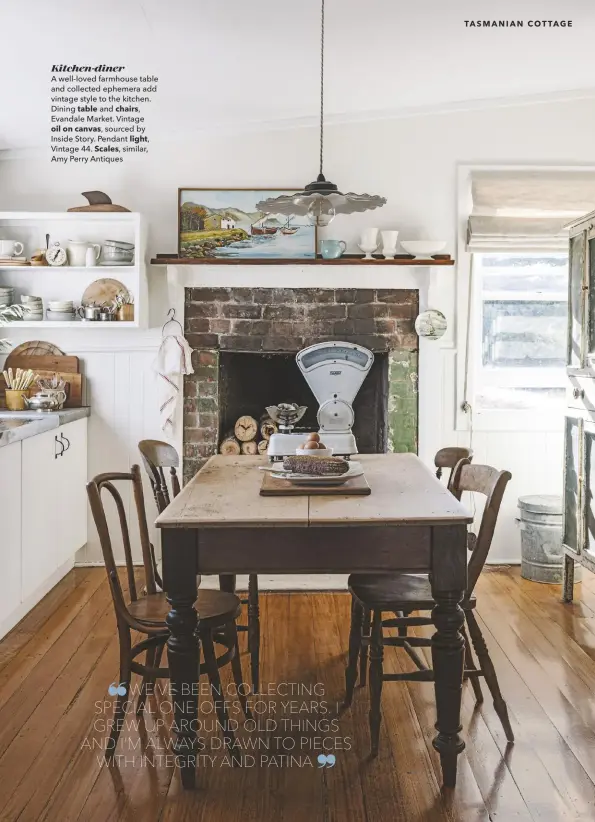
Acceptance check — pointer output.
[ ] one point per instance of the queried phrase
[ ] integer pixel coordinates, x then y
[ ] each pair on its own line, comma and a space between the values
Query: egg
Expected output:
313, 437
311, 446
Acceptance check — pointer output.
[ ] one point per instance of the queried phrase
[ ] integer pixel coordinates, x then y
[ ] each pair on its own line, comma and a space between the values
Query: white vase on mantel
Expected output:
368, 242
389, 244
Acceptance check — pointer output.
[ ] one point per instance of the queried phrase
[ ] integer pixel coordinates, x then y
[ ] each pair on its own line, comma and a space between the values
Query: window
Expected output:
520, 338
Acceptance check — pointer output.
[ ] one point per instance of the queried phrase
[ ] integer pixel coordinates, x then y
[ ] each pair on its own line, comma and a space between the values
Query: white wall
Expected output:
412, 161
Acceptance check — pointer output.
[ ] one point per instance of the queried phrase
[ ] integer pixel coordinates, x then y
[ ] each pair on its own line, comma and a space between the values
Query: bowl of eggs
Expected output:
313, 447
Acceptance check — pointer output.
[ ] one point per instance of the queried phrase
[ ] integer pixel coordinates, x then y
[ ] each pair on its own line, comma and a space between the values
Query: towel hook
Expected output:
171, 318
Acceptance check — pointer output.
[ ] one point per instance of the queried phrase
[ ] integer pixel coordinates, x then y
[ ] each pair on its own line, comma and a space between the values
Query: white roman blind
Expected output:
526, 209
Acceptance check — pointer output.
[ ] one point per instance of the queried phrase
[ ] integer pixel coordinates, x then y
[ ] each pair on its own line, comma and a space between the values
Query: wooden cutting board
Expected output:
74, 390
274, 487
46, 362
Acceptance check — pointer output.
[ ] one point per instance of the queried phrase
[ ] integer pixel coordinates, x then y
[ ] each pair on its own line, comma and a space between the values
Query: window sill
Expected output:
513, 421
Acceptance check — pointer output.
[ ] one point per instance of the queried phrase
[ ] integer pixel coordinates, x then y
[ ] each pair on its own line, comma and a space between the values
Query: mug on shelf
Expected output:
332, 249
8, 248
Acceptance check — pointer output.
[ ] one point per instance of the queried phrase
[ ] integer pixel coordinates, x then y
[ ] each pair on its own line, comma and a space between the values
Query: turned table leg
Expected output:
179, 548
449, 575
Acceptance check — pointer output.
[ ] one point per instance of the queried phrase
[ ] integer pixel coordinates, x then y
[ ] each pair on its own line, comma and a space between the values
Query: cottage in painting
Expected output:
215, 222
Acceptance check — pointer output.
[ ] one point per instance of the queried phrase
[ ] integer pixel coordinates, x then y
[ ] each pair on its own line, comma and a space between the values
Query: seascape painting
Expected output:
225, 223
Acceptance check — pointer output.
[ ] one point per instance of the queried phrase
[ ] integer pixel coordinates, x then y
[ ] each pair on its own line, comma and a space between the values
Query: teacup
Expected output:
11, 248
332, 249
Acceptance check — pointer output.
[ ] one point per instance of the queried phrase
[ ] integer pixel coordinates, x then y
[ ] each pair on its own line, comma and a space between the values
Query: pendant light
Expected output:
321, 200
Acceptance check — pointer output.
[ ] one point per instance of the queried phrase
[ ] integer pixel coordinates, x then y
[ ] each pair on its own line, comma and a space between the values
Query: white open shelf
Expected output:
69, 282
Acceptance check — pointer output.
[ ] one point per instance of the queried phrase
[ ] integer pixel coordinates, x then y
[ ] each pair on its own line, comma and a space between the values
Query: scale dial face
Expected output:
56, 255
331, 353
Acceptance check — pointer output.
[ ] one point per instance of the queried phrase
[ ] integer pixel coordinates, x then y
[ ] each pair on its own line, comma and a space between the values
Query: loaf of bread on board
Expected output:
316, 466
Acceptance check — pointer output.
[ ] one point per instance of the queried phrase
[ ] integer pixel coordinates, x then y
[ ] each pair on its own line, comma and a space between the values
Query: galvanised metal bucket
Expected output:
540, 521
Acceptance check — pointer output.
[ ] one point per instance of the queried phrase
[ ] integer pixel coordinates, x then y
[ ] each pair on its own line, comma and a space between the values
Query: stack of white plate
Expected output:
60, 310
6, 294
33, 308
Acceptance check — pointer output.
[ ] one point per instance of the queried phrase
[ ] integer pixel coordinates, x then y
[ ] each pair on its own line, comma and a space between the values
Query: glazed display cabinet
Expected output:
579, 447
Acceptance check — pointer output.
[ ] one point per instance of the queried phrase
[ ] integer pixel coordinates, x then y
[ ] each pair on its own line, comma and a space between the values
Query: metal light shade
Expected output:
302, 203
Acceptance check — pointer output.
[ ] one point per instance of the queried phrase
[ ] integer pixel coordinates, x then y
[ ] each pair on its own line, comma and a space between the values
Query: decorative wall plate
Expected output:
431, 324
103, 292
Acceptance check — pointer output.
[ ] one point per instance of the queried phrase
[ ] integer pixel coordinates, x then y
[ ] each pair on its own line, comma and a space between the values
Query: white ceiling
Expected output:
238, 63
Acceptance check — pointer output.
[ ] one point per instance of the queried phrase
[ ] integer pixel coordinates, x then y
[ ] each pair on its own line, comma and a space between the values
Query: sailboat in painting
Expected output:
265, 225
289, 229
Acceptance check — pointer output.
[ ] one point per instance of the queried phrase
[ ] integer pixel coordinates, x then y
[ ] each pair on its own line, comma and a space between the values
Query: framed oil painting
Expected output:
224, 223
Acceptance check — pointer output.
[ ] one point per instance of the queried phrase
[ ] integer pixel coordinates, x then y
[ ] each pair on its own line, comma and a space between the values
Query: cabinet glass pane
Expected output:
575, 298
571, 486
589, 489
591, 298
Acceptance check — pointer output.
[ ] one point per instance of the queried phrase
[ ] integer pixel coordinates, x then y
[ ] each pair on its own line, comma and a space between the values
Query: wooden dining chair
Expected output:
448, 458
445, 458
402, 594
146, 614
156, 457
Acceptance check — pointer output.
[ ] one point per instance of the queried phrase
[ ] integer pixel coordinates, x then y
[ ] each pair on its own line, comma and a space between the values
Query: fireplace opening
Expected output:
248, 382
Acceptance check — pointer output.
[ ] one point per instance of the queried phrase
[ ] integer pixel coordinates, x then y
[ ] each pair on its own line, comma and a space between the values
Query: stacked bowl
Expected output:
60, 311
117, 252
32, 308
6, 294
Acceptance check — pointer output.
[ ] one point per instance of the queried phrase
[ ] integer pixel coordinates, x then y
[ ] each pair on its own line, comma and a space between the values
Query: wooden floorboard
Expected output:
56, 666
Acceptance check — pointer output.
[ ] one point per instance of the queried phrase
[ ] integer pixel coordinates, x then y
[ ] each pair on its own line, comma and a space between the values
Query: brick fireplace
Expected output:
275, 323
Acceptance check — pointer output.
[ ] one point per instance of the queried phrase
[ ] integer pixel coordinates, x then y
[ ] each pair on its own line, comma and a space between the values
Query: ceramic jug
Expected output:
77, 252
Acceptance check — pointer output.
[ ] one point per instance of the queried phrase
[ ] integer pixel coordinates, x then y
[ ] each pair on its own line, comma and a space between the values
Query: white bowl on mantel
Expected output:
423, 249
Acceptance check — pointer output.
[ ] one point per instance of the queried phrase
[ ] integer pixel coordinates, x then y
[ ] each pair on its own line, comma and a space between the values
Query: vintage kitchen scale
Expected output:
335, 372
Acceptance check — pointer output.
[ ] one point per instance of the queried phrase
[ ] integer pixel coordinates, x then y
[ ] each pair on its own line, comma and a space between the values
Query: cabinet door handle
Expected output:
57, 441
63, 438
578, 393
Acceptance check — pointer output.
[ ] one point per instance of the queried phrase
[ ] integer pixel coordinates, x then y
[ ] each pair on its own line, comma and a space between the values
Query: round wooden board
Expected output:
103, 292
34, 348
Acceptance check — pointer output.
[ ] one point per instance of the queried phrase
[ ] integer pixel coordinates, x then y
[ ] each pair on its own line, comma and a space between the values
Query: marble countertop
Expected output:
19, 425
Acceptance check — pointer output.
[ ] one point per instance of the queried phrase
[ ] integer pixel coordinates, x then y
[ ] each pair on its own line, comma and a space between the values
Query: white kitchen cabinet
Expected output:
54, 503
72, 496
10, 537
41, 509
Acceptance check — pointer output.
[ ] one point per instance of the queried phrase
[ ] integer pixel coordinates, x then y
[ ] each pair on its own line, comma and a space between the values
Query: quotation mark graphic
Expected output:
326, 760
114, 689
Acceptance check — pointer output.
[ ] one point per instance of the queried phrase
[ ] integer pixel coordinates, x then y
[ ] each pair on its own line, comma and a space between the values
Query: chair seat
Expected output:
215, 608
395, 592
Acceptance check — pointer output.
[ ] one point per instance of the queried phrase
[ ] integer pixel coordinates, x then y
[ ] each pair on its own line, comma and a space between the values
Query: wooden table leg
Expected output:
449, 578
179, 547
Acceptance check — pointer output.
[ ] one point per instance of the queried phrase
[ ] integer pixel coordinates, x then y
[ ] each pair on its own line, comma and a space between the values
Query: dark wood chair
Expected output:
402, 594
448, 458
147, 614
156, 457
445, 458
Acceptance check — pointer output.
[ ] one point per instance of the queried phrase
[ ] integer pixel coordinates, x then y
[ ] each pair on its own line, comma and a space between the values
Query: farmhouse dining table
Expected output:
219, 524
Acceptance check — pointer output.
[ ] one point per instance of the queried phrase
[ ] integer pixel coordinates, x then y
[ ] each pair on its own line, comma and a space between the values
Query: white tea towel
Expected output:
174, 359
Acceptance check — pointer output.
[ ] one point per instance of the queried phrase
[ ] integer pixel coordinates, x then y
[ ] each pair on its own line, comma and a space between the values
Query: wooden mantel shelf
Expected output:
346, 259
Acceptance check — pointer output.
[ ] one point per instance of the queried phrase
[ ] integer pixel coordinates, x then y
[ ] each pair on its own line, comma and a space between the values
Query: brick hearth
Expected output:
282, 320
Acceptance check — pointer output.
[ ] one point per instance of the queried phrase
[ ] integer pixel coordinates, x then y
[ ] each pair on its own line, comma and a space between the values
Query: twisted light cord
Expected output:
321, 83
